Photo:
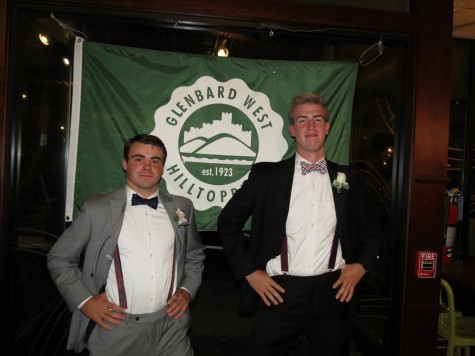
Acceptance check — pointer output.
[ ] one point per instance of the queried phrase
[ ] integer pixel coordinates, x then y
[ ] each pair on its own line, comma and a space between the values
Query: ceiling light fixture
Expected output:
221, 42
223, 52
66, 61
43, 39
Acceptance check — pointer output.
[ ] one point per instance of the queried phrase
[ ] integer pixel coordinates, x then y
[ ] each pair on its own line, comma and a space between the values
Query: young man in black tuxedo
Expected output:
310, 243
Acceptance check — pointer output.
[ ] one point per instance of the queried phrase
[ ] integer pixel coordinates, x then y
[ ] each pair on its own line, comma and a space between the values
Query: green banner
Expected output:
216, 116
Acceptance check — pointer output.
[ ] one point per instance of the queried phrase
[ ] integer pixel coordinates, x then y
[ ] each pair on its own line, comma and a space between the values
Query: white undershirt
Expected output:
310, 226
146, 244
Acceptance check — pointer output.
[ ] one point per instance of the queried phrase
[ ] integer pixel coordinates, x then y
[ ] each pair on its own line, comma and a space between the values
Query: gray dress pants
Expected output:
153, 334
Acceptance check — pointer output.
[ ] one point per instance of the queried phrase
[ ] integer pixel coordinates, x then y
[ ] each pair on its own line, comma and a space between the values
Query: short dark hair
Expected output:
146, 139
307, 98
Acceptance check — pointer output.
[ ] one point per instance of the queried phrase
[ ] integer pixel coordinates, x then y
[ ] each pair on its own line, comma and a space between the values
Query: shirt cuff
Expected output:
191, 295
84, 302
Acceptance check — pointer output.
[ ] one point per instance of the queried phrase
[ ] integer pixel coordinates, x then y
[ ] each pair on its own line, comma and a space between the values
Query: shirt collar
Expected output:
129, 192
299, 159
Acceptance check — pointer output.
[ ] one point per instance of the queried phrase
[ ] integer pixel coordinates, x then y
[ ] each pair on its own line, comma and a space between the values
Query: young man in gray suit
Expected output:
143, 261
310, 242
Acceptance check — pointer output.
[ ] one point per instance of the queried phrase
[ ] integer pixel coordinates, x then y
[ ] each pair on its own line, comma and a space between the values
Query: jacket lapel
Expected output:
109, 235
339, 198
167, 202
287, 180
115, 220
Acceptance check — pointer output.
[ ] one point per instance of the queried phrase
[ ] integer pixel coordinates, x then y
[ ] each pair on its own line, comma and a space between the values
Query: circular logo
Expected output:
218, 144
214, 132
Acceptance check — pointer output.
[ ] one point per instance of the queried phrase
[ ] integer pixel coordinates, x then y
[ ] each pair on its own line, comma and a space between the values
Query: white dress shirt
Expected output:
146, 244
310, 226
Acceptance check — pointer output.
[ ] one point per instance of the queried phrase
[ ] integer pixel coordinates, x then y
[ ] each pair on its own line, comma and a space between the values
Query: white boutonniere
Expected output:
180, 217
340, 182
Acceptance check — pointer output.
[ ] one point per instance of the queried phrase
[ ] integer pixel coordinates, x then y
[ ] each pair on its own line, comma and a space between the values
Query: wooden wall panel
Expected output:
428, 171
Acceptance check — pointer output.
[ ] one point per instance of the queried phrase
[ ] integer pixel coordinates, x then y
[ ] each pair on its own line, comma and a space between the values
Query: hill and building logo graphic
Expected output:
214, 131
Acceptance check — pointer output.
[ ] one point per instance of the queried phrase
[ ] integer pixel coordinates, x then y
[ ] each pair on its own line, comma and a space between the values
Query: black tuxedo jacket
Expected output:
265, 196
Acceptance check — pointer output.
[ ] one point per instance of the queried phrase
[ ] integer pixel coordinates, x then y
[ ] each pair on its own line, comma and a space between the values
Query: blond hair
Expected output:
307, 98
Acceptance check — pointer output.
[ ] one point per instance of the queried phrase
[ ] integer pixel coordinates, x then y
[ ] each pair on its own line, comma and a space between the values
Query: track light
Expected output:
43, 39
221, 43
223, 52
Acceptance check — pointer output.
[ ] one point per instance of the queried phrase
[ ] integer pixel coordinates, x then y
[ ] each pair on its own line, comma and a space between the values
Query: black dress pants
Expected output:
309, 309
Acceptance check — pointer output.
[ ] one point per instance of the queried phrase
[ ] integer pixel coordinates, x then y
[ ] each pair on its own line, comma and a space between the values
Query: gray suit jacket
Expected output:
95, 232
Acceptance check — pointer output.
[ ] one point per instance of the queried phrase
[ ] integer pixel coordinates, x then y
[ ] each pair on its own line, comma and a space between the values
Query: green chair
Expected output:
458, 331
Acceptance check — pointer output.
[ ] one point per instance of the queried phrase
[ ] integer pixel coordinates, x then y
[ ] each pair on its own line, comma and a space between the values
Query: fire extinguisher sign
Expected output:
426, 264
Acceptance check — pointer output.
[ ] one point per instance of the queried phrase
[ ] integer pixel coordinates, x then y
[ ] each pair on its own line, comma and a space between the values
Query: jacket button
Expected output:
137, 318
92, 275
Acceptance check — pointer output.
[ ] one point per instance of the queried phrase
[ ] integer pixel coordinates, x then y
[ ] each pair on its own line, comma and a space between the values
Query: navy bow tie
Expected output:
138, 200
320, 166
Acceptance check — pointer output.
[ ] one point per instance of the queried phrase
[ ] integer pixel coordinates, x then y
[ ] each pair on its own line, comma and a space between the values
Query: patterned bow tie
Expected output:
138, 200
320, 166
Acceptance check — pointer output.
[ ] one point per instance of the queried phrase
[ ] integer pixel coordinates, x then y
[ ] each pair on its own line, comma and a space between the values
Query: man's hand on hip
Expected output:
266, 287
178, 303
100, 310
350, 276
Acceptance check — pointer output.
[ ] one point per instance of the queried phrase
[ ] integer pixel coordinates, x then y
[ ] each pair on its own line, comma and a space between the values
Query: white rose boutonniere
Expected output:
340, 182
180, 217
